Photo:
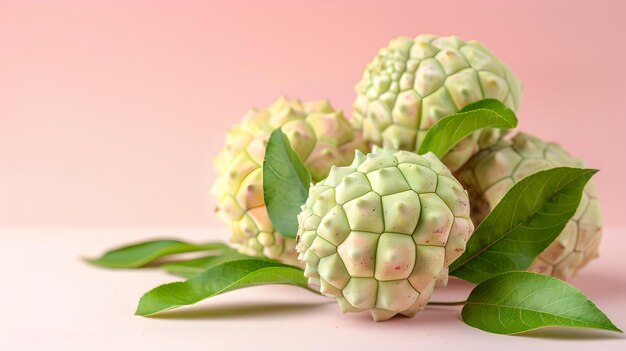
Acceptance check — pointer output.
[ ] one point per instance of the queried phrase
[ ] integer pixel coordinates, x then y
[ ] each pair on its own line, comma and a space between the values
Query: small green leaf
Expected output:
219, 279
286, 184
448, 131
189, 268
516, 302
529, 217
140, 254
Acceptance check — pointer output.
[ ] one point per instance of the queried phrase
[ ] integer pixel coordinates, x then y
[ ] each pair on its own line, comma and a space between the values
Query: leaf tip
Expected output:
614, 328
141, 309
97, 262
139, 312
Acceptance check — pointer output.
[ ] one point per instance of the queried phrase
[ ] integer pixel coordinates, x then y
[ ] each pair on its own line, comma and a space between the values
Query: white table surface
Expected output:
53, 301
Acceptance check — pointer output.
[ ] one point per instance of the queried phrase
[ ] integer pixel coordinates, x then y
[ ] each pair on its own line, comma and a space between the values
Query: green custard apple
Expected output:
321, 137
378, 235
412, 83
492, 172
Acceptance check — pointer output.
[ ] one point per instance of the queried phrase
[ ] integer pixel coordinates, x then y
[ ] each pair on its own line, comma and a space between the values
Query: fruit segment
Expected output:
396, 222
414, 82
492, 172
321, 137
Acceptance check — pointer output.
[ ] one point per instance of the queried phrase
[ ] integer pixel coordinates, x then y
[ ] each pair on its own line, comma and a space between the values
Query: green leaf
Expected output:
189, 268
219, 279
529, 217
516, 302
140, 254
286, 184
448, 131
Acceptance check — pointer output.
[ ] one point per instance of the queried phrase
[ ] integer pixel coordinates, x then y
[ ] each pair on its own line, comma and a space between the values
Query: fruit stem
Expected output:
447, 303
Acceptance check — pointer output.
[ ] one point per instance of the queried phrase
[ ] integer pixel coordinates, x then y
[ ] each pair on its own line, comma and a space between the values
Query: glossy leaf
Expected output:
516, 302
189, 268
286, 184
219, 279
529, 217
140, 254
448, 131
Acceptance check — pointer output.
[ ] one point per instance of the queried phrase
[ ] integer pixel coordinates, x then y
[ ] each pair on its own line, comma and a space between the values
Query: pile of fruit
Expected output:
405, 90
422, 182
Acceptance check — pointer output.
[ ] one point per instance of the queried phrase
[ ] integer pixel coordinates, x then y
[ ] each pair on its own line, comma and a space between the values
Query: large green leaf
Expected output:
529, 217
189, 268
516, 302
286, 184
217, 280
448, 131
140, 254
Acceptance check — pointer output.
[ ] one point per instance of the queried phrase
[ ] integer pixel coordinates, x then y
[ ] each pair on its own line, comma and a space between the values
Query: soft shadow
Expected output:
428, 317
456, 290
458, 284
235, 311
556, 333
438, 315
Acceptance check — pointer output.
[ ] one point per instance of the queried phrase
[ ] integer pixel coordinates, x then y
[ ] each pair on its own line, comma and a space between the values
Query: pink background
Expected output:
111, 111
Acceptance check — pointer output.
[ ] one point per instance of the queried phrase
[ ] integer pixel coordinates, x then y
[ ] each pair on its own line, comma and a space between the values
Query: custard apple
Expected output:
379, 234
492, 172
321, 137
412, 83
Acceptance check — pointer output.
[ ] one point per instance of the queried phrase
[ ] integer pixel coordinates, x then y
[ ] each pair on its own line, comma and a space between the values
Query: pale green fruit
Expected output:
412, 83
379, 235
492, 172
319, 135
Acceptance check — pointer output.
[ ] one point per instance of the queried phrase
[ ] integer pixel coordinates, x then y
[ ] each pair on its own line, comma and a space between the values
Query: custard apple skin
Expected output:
379, 235
492, 172
321, 137
413, 83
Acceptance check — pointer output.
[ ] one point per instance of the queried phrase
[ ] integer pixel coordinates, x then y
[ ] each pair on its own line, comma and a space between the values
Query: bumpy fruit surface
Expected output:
319, 135
379, 234
492, 172
412, 83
